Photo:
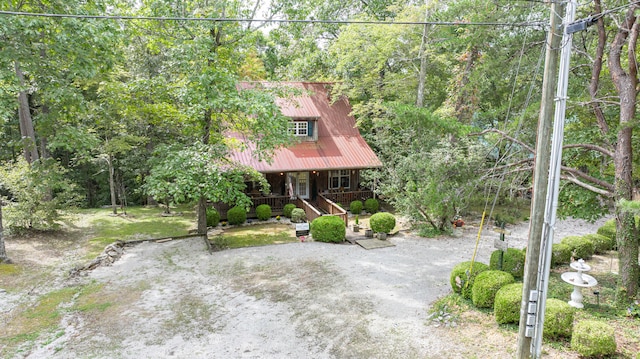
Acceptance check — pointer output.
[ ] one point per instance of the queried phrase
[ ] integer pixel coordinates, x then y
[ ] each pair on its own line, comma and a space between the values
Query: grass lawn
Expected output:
254, 235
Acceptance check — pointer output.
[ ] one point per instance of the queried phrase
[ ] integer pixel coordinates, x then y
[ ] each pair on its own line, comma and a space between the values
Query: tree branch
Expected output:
504, 135
577, 173
591, 147
587, 186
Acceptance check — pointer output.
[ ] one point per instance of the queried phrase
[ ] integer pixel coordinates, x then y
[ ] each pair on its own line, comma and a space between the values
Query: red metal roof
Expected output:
339, 144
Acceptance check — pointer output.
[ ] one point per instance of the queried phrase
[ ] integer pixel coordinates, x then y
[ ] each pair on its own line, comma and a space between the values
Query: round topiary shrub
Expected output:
237, 215
356, 207
382, 222
286, 210
371, 205
298, 215
506, 306
608, 229
486, 285
592, 338
263, 212
213, 217
601, 243
560, 254
328, 229
463, 275
512, 261
558, 319
580, 246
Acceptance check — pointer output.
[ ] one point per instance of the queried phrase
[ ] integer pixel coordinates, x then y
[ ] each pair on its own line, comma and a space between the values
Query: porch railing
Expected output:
310, 211
333, 209
275, 202
345, 198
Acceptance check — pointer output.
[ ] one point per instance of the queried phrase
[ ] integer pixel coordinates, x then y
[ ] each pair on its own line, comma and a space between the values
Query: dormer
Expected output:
305, 129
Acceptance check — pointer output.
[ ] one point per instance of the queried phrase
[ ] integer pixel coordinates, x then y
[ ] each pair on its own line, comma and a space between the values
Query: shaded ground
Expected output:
297, 300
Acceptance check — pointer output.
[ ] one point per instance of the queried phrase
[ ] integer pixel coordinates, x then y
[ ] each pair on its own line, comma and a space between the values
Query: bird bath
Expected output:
579, 280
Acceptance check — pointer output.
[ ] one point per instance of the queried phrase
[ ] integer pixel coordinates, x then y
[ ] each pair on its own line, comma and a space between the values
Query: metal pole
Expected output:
554, 183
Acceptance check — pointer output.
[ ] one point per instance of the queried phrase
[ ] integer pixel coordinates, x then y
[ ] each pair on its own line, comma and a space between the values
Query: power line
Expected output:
280, 21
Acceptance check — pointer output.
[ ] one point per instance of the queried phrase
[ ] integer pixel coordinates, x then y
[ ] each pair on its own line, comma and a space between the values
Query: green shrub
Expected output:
371, 205
592, 338
560, 254
486, 285
356, 207
463, 275
608, 229
213, 217
512, 261
580, 246
298, 215
382, 222
286, 211
507, 303
601, 243
558, 319
328, 229
263, 212
237, 215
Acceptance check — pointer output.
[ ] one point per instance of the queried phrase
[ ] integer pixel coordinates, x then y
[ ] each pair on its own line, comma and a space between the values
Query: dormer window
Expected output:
305, 129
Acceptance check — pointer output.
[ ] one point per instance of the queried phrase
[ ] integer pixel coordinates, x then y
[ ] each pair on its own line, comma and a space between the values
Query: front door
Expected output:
299, 184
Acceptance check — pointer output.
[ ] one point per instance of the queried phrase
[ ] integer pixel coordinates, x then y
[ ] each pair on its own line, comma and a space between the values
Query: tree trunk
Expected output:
202, 216
112, 185
423, 67
3, 252
27, 131
626, 82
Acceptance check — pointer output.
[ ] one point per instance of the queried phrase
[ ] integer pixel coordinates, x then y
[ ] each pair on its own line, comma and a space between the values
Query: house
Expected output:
321, 169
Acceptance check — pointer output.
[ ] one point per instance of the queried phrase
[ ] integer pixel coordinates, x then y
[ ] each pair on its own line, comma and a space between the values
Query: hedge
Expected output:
213, 217
608, 229
461, 282
506, 306
382, 222
486, 285
298, 215
328, 229
286, 210
580, 246
237, 215
558, 319
592, 338
356, 207
601, 243
263, 212
371, 205
560, 254
512, 261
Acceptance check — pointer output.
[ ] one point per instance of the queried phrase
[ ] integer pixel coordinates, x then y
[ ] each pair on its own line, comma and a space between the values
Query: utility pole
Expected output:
541, 174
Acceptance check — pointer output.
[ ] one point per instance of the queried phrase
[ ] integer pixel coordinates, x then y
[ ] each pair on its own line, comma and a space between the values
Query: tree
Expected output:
3, 251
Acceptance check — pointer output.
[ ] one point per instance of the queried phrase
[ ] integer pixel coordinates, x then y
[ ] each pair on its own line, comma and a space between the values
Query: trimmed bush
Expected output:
371, 205
506, 306
580, 246
263, 212
286, 210
461, 282
237, 215
298, 215
512, 261
608, 229
356, 207
558, 319
592, 338
328, 229
213, 217
382, 222
560, 254
601, 243
486, 285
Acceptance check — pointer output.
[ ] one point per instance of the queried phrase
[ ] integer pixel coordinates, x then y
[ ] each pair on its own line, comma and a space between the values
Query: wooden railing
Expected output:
345, 198
333, 209
310, 211
275, 202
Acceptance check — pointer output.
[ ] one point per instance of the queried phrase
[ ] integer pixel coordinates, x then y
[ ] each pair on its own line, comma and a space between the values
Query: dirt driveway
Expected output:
298, 300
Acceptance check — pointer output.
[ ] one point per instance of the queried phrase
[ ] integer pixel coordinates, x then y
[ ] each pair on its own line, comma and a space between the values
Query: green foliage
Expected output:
486, 285
356, 207
560, 254
263, 212
601, 244
328, 229
608, 229
383, 222
512, 261
213, 217
286, 211
593, 339
463, 275
580, 246
298, 215
506, 307
371, 205
237, 215
558, 319
578, 202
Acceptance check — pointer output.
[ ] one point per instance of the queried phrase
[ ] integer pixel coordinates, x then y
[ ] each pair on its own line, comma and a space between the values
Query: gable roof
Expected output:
339, 144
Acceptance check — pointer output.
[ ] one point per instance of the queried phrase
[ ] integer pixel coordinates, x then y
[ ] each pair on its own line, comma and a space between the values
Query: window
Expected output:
339, 179
299, 128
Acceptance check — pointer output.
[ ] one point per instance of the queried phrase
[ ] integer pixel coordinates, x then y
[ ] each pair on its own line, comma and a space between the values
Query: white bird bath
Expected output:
579, 280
